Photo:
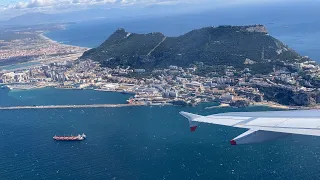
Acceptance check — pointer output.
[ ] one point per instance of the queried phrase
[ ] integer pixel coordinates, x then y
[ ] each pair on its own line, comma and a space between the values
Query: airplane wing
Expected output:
262, 126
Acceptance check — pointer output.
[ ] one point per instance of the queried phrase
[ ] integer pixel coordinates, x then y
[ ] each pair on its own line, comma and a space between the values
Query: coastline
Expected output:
273, 105
45, 37
223, 105
259, 104
84, 105
45, 40
41, 42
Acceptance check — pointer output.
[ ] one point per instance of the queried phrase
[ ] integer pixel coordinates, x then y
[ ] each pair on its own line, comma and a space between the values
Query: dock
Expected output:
70, 106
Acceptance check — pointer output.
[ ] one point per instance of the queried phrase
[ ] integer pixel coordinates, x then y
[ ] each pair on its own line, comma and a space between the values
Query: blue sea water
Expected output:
54, 96
138, 143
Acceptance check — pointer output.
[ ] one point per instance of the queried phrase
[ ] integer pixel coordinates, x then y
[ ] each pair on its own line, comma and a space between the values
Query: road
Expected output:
156, 46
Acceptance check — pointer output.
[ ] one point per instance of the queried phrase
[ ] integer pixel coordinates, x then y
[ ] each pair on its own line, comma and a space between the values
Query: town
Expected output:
172, 85
32, 46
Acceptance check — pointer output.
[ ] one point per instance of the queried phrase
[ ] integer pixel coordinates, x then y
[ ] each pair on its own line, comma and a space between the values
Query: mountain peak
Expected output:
213, 46
120, 30
257, 28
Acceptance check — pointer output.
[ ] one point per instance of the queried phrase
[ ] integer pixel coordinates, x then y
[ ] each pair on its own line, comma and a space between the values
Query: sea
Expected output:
147, 143
136, 142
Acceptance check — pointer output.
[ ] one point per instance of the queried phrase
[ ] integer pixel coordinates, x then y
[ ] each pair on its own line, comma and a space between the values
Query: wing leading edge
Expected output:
263, 126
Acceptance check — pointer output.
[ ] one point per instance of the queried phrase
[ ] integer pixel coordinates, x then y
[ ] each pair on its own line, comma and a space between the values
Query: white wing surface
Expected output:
263, 126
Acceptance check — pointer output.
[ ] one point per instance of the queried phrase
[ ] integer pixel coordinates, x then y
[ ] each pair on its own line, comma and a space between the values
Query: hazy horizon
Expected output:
118, 9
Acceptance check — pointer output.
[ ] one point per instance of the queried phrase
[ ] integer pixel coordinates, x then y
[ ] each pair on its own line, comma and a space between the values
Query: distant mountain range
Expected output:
31, 18
112, 14
281, 12
42, 18
238, 46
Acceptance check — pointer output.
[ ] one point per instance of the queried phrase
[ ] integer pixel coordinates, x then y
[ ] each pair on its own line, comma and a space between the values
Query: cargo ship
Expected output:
79, 137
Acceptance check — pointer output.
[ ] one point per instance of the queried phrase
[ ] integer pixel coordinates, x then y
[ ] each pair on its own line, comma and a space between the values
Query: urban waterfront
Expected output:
137, 143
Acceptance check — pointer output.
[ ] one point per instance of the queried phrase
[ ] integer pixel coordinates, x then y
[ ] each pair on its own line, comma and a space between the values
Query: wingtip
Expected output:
182, 112
233, 142
193, 128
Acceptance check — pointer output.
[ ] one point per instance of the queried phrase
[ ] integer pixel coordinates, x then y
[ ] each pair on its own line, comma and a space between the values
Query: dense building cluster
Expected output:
35, 47
174, 85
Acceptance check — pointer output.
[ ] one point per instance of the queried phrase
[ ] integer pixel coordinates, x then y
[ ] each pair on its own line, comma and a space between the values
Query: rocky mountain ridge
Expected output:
212, 46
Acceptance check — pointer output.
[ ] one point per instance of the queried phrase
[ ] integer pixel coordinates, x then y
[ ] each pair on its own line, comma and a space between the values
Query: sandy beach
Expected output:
44, 37
273, 105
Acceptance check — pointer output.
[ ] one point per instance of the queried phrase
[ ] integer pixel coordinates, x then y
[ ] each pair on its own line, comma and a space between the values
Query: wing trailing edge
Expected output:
253, 135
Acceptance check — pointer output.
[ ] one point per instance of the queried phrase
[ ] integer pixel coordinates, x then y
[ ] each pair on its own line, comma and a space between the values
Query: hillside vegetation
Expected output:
213, 46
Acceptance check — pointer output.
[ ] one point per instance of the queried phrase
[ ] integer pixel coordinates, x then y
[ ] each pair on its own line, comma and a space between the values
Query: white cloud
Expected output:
30, 4
56, 6
58, 3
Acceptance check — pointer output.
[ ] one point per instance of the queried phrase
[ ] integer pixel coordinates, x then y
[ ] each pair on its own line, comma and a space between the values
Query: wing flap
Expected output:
256, 136
301, 123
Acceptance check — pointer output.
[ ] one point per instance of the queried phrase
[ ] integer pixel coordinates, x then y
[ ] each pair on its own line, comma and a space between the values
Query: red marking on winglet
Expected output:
193, 128
233, 142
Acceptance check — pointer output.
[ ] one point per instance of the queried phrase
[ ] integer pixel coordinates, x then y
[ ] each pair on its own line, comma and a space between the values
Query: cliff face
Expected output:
223, 45
257, 28
125, 49
289, 97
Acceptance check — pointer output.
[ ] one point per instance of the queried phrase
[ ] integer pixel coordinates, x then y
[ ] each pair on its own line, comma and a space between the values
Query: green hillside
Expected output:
223, 45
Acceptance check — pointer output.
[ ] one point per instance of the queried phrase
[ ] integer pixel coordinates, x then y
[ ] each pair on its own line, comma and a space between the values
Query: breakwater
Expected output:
69, 106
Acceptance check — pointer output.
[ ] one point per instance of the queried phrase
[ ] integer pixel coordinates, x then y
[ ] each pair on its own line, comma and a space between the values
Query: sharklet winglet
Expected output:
191, 117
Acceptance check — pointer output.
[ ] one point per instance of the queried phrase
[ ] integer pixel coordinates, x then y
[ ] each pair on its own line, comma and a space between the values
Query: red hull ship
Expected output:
70, 138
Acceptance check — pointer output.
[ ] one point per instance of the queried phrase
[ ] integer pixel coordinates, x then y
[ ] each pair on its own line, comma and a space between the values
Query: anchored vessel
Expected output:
79, 137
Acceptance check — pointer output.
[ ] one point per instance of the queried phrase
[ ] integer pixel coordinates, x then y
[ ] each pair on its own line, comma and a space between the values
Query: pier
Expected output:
69, 106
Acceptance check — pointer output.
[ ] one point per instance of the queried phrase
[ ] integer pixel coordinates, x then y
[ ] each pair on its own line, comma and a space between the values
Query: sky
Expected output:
12, 8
